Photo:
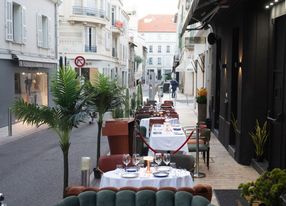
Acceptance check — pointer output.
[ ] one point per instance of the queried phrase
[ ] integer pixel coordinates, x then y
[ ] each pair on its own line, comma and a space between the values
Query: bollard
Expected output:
9, 121
85, 171
198, 174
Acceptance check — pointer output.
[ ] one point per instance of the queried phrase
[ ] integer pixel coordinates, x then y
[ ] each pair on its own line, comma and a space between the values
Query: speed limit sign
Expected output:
79, 61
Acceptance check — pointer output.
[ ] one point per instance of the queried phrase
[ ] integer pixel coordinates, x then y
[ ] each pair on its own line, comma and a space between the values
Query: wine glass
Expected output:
126, 159
166, 158
135, 159
158, 158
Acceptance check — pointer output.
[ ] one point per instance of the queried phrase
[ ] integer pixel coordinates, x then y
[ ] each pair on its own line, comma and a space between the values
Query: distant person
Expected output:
174, 86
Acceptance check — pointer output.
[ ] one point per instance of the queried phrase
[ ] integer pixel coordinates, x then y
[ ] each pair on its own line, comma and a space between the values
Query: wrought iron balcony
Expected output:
90, 48
81, 10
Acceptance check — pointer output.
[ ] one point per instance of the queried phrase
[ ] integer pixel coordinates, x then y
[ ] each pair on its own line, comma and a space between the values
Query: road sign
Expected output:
79, 61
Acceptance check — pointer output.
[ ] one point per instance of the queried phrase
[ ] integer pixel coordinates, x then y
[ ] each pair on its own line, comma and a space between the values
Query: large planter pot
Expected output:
202, 112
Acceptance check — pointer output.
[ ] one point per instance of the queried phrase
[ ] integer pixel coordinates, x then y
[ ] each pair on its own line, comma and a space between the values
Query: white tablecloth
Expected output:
177, 178
168, 138
145, 123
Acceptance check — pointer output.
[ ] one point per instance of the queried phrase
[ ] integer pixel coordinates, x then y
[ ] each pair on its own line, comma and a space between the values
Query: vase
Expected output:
202, 112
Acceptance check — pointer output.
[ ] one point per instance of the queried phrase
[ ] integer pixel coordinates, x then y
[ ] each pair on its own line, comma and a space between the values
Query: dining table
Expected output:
167, 137
145, 122
174, 178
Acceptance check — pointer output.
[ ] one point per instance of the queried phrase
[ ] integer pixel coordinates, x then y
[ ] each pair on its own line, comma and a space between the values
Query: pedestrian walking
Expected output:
174, 86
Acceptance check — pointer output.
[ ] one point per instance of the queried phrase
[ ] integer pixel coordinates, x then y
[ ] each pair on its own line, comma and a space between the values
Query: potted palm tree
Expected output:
105, 95
68, 112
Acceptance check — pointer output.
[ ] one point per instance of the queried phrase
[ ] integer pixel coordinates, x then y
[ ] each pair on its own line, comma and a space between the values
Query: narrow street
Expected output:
31, 171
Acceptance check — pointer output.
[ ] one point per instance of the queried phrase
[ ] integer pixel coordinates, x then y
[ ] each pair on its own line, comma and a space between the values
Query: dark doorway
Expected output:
234, 83
217, 85
277, 147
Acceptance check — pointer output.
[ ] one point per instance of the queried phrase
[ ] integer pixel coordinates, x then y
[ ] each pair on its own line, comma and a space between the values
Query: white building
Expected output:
28, 51
159, 32
193, 53
98, 31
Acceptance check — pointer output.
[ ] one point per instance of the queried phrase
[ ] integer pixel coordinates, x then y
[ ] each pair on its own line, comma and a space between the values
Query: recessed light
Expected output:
271, 4
267, 7
276, 0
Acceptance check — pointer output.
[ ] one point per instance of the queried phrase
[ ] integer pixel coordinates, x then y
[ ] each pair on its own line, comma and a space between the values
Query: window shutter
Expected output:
49, 43
24, 26
39, 30
9, 20
86, 34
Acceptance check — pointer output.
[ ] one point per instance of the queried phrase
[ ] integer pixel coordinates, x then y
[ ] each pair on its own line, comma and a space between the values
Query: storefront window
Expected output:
32, 87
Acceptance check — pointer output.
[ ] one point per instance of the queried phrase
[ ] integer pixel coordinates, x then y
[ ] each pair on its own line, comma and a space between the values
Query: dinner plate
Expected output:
130, 175
160, 174
131, 169
178, 133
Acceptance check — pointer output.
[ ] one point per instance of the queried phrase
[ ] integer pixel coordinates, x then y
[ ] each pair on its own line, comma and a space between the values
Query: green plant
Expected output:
201, 97
133, 103
139, 97
70, 100
138, 59
118, 112
234, 122
259, 138
267, 188
105, 95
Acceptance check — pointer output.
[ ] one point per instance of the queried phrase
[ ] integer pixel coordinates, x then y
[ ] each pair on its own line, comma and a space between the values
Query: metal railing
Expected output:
88, 48
81, 10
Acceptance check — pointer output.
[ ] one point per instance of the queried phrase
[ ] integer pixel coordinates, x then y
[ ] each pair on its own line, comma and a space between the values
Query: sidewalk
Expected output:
19, 130
224, 171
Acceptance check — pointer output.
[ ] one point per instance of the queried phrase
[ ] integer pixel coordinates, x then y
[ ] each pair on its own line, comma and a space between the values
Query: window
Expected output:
168, 49
107, 40
113, 15
43, 31
16, 30
159, 60
150, 49
159, 49
90, 39
150, 60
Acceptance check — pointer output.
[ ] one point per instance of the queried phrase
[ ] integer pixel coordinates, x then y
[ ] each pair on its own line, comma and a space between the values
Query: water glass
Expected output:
126, 159
166, 158
158, 158
135, 159
173, 165
119, 169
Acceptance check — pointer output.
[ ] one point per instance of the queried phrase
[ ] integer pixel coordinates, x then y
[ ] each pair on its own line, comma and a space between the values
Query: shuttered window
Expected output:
43, 31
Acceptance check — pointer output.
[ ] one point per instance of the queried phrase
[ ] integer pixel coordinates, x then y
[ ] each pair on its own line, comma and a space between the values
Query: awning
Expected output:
203, 11
181, 67
27, 61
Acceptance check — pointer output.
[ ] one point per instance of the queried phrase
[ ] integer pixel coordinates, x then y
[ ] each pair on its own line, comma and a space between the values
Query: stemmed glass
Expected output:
135, 159
126, 160
166, 158
158, 158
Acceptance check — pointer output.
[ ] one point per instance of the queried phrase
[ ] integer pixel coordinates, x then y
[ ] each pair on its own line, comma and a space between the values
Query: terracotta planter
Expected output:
202, 112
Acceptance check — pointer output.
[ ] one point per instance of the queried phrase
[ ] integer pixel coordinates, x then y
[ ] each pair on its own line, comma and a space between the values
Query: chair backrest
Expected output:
109, 162
206, 134
184, 161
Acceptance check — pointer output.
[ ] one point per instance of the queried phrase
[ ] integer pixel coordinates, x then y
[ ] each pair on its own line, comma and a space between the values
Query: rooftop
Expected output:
157, 23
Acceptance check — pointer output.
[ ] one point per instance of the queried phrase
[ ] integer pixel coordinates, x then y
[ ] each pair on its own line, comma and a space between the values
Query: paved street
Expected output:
31, 171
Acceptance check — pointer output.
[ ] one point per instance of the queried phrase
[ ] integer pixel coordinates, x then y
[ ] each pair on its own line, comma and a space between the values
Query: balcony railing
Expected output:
80, 10
90, 48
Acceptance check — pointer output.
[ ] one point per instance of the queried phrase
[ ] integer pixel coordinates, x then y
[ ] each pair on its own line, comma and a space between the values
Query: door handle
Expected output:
273, 119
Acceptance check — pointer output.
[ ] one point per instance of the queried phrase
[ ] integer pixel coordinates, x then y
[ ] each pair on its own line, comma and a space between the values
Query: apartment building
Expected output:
159, 33
192, 55
28, 52
98, 31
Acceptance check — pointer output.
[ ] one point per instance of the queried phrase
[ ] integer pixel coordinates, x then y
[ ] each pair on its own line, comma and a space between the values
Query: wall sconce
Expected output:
224, 66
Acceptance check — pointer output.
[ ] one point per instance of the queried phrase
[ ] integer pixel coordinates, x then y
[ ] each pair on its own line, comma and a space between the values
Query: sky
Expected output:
145, 7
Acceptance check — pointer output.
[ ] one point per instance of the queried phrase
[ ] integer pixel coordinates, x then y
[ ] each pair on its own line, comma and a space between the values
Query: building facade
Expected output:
248, 70
192, 55
98, 31
28, 52
159, 33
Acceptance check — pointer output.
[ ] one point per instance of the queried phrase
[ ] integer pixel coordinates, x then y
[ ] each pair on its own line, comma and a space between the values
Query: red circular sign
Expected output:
79, 61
